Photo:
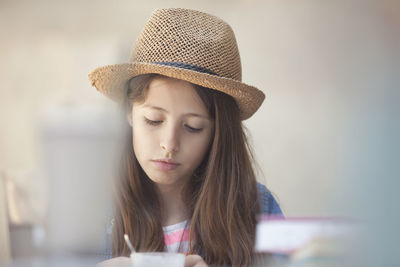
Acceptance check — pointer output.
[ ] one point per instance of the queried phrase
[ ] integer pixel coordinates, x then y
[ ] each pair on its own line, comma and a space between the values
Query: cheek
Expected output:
143, 141
196, 150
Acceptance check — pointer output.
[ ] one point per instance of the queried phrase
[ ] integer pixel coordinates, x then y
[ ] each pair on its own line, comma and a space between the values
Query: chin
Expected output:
163, 180
165, 184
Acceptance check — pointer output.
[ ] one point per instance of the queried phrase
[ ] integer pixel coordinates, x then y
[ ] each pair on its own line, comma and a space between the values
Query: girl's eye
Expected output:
189, 128
193, 130
150, 122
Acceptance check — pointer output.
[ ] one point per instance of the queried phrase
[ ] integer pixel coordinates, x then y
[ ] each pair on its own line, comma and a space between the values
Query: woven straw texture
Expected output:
188, 45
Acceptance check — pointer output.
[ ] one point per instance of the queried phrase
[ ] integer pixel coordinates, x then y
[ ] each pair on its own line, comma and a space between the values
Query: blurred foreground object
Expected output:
26, 206
308, 241
4, 233
26, 200
80, 149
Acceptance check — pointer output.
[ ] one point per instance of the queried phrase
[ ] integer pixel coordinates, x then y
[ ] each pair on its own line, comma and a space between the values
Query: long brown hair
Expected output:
221, 196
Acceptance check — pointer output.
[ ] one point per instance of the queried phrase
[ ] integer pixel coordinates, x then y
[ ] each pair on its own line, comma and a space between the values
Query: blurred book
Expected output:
308, 241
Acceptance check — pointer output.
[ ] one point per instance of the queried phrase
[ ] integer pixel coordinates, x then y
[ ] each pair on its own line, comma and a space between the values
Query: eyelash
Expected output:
190, 129
153, 123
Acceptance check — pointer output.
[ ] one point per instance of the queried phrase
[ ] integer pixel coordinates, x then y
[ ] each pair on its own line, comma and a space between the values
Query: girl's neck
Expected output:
173, 210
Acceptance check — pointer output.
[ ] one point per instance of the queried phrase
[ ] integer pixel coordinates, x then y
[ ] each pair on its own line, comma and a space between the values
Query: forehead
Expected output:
174, 95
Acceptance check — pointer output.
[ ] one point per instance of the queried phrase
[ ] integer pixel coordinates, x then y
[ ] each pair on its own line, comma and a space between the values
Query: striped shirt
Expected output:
176, 237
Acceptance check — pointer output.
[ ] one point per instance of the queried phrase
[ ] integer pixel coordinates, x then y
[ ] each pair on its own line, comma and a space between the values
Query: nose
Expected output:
170, 140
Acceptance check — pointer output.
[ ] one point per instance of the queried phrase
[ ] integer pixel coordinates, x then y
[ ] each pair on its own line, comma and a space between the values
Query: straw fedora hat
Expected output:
187, 45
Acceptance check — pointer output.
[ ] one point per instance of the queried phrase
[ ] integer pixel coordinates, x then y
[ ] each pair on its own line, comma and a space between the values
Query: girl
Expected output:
187, 182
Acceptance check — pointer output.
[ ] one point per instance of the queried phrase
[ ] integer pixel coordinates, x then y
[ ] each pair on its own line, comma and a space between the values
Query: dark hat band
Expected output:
187, 66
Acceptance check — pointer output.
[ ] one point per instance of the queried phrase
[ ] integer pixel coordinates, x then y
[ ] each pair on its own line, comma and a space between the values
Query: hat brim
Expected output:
112, 81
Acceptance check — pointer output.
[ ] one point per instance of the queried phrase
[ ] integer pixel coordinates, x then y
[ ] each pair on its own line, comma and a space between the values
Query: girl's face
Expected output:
171, 131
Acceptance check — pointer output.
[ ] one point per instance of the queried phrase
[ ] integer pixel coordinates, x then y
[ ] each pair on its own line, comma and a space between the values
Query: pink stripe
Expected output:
176, 237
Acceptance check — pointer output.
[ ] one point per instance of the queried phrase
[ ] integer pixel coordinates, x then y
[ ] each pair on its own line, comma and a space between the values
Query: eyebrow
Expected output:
186, 114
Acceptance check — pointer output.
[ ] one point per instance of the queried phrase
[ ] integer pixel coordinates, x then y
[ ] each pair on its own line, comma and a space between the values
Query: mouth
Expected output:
165, 164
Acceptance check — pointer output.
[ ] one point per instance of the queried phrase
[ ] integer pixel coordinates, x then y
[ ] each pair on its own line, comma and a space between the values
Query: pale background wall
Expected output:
327, 68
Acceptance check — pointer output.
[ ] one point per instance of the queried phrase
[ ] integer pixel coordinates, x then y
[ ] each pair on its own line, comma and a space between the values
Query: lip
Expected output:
165, 164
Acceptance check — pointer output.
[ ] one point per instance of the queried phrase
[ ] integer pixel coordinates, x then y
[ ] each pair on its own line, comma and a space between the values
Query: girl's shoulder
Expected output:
268, 204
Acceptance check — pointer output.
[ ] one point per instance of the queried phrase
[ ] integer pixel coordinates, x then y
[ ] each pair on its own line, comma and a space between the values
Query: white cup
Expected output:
157, 259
